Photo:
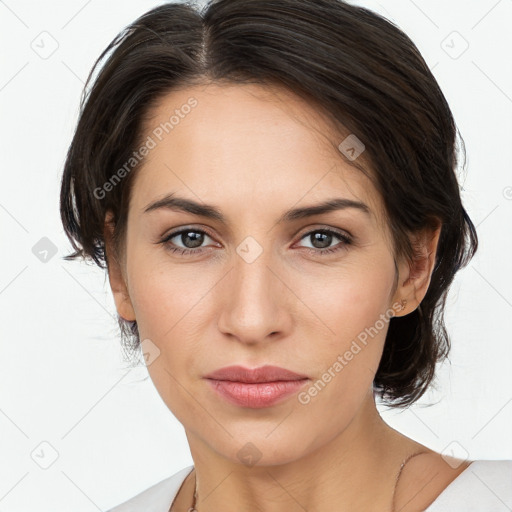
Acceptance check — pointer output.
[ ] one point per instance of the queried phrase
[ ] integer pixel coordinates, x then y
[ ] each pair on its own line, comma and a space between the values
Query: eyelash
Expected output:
347, 240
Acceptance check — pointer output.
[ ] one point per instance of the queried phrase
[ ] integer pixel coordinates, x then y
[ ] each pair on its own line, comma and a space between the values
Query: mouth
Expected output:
257, 388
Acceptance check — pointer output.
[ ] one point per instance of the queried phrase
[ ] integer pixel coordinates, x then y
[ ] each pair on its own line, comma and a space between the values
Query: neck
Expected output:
355, 470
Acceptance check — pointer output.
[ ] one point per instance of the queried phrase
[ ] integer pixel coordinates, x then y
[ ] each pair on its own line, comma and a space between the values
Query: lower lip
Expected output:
256, 395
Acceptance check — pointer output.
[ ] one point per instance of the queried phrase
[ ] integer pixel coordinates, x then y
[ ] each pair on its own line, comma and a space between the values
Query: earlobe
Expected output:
115, 274
415, 275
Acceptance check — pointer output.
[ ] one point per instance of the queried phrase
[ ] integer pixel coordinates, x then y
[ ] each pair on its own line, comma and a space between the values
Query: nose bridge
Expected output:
253, 309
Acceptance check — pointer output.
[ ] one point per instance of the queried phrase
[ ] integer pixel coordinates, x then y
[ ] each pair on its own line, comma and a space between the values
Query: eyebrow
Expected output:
172, 202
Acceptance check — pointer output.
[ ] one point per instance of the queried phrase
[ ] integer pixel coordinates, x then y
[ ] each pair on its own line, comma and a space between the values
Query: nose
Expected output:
256, 300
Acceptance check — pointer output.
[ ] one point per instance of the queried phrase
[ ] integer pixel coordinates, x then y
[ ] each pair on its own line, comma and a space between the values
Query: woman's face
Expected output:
258, 287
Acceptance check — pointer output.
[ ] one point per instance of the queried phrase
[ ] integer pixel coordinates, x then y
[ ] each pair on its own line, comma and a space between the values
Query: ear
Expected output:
115, 273
414, 276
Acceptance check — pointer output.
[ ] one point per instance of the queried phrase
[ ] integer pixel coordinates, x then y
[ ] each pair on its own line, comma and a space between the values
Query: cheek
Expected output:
355, 312
173, 307
169, 304
164, 296
350, 300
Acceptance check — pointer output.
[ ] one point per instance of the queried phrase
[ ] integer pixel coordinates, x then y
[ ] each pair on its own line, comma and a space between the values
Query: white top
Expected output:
484, 486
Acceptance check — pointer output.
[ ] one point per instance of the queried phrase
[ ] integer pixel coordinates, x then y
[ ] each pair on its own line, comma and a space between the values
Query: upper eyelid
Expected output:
180, 231
338, 231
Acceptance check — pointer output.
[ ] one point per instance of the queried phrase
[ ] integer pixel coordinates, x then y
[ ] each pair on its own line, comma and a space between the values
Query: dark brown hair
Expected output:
358, 68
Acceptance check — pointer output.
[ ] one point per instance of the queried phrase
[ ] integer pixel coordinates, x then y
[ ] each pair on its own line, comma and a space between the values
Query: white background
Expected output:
63, 380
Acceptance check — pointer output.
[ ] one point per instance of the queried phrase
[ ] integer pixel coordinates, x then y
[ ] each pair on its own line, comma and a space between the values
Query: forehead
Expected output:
221, 142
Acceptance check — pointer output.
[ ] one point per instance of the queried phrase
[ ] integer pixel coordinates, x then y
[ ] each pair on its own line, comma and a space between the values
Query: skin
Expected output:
254, 153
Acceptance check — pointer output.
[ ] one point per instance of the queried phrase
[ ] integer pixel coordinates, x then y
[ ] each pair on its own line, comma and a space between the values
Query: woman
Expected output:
271, 186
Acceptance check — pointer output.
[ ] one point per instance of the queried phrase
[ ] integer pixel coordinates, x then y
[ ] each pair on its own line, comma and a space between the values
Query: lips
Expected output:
267, 373
255, 388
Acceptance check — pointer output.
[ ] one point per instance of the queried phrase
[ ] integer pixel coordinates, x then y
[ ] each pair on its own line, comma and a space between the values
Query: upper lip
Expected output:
267, 373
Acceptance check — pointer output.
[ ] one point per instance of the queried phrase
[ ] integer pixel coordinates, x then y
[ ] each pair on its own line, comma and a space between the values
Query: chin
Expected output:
262, 447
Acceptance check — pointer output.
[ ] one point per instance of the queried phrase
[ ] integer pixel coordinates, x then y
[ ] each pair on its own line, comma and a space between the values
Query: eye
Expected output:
322, 239
190, 239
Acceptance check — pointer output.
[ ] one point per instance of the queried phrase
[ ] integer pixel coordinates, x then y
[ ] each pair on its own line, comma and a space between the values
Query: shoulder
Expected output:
484, 486
158, 497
